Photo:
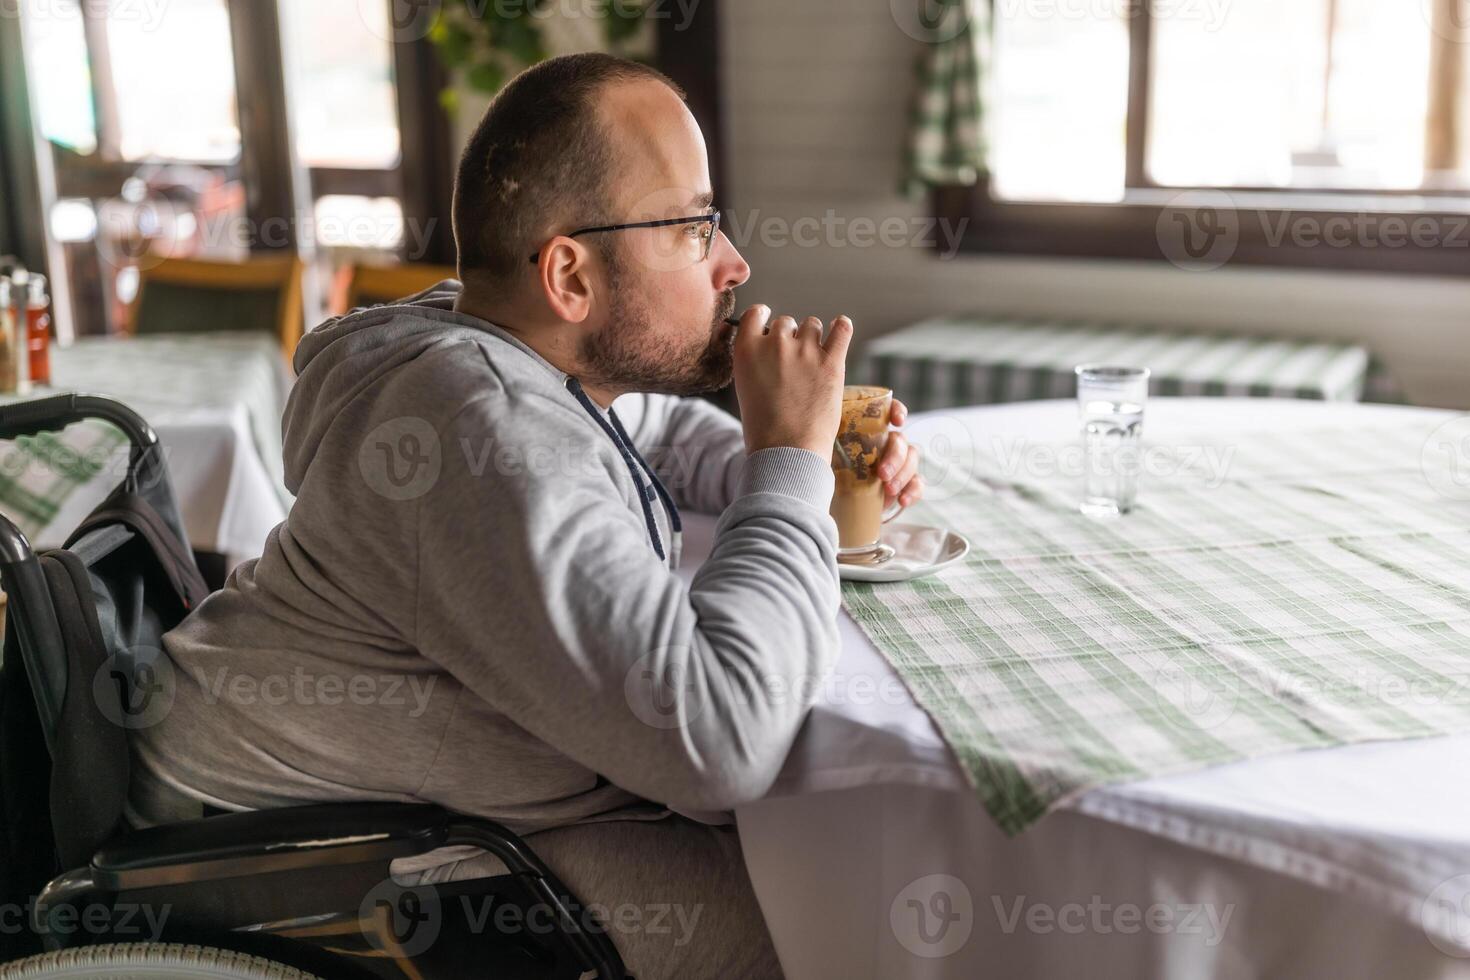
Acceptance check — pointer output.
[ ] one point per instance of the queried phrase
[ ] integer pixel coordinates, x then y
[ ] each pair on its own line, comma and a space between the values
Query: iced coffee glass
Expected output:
857, 500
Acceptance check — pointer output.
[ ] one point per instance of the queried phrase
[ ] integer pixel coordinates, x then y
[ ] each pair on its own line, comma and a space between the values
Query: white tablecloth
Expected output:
228, 498
215, 401
872, 859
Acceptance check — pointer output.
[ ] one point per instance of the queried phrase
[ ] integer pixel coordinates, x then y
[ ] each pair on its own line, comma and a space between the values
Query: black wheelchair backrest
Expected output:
87, 622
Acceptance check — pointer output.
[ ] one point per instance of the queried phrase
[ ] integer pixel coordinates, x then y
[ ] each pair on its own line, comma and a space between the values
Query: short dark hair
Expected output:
539, 155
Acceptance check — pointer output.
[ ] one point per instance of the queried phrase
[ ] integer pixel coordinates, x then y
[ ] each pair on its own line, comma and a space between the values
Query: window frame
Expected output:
265, 158
1132, 228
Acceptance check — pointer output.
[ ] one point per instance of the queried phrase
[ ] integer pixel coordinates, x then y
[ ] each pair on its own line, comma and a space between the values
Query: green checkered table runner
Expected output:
162, 378
1270, 593
955, 361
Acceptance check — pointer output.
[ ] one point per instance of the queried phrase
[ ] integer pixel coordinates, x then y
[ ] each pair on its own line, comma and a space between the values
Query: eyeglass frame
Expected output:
713, 218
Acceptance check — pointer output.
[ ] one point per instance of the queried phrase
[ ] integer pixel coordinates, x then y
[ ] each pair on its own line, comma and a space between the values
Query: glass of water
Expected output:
1111, 401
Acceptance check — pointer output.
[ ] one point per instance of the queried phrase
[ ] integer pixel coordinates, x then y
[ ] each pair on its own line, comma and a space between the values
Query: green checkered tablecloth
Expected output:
163, 378
955, 361
1272, 592
38, 473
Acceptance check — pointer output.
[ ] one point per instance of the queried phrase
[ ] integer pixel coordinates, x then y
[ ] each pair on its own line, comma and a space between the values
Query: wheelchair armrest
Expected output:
258, 841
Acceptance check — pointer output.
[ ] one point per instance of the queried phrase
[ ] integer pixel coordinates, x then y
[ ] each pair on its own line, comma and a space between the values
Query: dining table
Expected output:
215, 402
889, 847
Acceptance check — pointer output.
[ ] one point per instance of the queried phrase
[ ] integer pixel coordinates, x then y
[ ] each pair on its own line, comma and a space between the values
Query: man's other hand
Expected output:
899, 467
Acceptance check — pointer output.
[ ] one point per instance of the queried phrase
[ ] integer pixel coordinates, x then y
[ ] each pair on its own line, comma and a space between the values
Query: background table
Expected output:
215, 401
976, 360
1334, 863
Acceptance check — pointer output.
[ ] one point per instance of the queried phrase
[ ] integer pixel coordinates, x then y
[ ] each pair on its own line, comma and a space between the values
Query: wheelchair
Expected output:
296, 892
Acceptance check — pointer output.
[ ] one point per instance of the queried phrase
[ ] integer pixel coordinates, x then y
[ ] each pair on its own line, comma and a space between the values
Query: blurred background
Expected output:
1287, 170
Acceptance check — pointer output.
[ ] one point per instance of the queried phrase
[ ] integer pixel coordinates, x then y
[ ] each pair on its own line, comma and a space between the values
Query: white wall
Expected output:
817, 94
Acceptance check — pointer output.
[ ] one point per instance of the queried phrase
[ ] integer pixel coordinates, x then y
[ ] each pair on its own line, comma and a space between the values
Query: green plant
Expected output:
486, 42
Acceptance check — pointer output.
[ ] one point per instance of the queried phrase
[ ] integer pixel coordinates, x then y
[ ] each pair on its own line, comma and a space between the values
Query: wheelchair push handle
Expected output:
59, 411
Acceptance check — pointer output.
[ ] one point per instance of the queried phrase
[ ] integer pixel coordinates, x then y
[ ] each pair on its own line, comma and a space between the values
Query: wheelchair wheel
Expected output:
148, 961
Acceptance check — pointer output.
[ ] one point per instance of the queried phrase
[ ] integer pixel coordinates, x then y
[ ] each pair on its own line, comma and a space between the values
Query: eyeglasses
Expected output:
707, 234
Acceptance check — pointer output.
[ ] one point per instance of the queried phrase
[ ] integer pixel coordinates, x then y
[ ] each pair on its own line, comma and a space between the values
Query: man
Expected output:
473, 600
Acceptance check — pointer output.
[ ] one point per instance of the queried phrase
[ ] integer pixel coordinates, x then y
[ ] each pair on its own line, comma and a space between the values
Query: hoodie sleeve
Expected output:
538, 589
696, 448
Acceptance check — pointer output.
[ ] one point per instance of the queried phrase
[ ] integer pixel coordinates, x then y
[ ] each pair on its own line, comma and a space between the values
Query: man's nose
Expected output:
730, 269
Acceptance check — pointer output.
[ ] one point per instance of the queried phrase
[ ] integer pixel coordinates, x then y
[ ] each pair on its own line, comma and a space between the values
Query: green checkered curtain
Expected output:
946, 143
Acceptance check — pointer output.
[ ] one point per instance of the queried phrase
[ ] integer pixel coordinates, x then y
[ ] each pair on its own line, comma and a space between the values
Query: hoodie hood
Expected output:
346, 355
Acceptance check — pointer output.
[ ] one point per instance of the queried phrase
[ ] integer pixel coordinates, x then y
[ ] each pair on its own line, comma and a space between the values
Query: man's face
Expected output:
664, 327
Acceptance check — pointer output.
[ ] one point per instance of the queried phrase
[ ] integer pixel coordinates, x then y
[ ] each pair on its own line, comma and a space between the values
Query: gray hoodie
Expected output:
467, 605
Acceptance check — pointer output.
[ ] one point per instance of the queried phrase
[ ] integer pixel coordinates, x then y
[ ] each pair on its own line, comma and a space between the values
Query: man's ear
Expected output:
564, 272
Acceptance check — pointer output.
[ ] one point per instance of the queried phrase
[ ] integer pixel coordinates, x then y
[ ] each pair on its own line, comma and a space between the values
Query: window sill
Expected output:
1211, 229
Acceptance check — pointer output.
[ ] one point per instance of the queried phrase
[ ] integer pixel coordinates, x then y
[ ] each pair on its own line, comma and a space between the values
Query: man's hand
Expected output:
788, 381
899, 467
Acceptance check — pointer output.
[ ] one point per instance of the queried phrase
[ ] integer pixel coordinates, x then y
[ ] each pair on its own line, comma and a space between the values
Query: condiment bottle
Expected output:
38, 331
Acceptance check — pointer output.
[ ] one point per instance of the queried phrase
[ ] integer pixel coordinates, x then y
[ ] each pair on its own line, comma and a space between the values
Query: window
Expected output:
1295, 94
1278, 117
58, 65
342, 87
345, 117
144, 105
172, 81
1053, 139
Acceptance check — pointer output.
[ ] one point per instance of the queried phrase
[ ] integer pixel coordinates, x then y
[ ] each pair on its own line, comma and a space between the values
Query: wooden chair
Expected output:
370, 285
204, 296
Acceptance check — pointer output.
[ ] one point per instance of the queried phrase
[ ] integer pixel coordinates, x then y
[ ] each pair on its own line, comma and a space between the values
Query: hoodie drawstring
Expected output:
619, 436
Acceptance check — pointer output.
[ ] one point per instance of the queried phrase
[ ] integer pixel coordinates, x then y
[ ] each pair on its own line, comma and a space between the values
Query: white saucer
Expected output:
918, 551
